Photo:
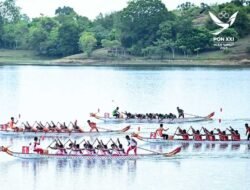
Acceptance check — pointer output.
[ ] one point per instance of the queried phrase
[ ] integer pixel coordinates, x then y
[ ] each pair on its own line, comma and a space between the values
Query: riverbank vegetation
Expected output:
145, 29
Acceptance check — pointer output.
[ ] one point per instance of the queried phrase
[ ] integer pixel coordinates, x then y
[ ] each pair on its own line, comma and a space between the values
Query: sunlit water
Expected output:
69, 93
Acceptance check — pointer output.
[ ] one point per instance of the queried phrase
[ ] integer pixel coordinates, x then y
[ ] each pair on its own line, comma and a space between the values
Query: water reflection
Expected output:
223, 146
77, 164
235, 147
131, 165
210, 146
197, 146
203, 149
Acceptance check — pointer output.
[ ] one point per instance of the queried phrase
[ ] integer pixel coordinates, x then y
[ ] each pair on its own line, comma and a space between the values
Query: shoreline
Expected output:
132, 62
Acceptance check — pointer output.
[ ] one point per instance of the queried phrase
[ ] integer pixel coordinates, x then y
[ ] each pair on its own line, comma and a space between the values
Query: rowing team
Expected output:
47, 127
73, 148
197, 136
159, 116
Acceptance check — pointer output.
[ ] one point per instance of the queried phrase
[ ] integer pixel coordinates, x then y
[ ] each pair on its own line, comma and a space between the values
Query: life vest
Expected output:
35, 145
60, 152
92, 125
236, 137
185, 136
208, 137
225, 137
221, 137
102, 152
197, 137
115, 112
90, 152
211, 138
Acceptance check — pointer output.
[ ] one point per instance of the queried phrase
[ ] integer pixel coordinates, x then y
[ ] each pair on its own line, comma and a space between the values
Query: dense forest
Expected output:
143, 28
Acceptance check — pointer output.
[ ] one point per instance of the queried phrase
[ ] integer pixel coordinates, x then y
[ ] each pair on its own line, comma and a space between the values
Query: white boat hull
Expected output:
177, 141
167, 121
56, 134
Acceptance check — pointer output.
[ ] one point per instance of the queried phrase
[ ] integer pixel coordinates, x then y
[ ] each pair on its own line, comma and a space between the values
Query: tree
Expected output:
185, 6
196, 40
169, 31
83, 23
9, 12
184, 49
70, 28
239, 2
140, 22
105, 27
44, 36
65, 11
15, 35
87, 42
68, 35
100, 33
110, 43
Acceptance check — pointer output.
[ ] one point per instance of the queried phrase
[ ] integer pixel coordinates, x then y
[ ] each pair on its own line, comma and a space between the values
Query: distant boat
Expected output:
106, 118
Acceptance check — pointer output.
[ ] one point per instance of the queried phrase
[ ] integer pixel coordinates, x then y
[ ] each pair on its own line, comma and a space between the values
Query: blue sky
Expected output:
89, 8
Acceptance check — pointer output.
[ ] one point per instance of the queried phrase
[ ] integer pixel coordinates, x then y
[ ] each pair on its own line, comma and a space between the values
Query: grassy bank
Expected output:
22, 57
237, 55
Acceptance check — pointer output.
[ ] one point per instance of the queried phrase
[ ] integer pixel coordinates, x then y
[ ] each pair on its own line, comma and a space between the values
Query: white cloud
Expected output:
88, 8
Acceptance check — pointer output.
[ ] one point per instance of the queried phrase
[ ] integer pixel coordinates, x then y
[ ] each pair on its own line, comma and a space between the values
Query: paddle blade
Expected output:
211, 115
126, 129
171, 137
3, 149
136, 136
173, 152
92, 114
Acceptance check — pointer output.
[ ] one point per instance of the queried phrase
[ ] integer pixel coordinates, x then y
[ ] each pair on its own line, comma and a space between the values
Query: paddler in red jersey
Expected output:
247, 131
35, 147
132, 145
92, 126
160, 130
12, 124
209, 135
183, 133
196, 134
222, 135
234, 134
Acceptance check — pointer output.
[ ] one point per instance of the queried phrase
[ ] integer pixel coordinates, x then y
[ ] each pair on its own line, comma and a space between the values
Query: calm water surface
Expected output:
68, 93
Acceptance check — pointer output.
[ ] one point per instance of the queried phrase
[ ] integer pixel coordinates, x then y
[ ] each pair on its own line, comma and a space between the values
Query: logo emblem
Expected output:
223, 25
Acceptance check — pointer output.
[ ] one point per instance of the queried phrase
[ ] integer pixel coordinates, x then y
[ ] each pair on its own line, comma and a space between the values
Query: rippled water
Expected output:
67, 93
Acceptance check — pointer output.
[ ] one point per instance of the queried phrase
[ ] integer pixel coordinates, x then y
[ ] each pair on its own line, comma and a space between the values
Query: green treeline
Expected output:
143, 28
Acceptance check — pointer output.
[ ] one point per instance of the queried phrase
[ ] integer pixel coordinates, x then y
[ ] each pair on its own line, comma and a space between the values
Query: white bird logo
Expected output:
222, 24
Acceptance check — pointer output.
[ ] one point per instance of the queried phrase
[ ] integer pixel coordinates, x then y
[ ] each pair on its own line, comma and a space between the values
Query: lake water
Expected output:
41, 93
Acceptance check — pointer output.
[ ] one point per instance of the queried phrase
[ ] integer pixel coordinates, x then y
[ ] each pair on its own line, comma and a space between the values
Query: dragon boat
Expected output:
191, 141
47, 156
24, 133
107, 119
